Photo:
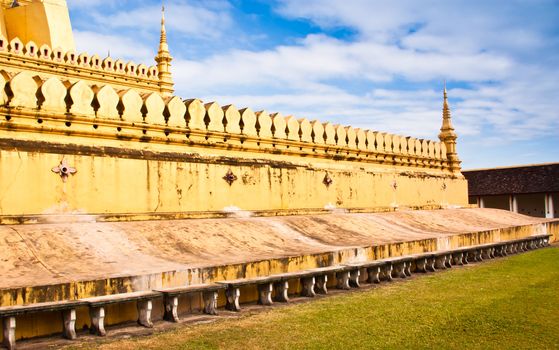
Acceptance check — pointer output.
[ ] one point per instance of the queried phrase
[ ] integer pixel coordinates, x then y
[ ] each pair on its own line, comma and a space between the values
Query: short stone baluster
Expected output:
171, 309
282, 289
373, 274
387, 272
505, 250
421, 265
431, 264
307, 287
440, 262
342, 279
321, 284
486, 253
69, 324
97, 315
144, 313
448, 261
9, 332
407, 268
398, 270
457, 258
510, 249
232, 295
265, 294
210, 302
354, 278
477, 255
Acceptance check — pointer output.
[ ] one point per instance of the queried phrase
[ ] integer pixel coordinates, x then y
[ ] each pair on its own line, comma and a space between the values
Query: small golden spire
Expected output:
163, 60
448, 135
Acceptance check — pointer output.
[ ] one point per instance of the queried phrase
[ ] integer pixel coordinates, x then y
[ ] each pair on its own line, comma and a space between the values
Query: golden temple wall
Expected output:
140, 155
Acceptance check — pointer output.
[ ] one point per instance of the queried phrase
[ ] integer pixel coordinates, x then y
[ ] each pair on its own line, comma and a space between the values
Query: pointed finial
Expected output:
164, 59
163, 37
448, 135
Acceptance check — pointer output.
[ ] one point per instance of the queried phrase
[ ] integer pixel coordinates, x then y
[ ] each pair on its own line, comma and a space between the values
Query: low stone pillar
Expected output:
210, 302
440, 262
144, 313
307, 287
501, 250
342, 279
431, 264
281, 289
479, 257
97, 315
373, 274
407, 268
9, 332
354, 278
265, 294
321, 284
387, 272
69, 324
171, 309
421, 265
232, 296
485, 253
398, 270
448, 261
457, 258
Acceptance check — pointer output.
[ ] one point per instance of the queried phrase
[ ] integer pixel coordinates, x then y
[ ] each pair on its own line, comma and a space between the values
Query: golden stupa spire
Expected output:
448, 136
447, 119
163, 60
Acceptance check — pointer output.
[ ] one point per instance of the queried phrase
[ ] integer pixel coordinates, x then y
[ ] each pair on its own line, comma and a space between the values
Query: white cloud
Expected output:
500, 63
202, 20
119, 47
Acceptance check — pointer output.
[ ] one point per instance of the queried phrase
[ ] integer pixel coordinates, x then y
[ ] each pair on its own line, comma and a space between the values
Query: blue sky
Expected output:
379, 65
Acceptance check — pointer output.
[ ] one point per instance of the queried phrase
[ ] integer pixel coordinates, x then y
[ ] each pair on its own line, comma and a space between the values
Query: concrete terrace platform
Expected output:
46, 262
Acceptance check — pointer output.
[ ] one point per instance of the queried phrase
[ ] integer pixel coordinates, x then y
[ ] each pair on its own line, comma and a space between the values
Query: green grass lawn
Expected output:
510, 303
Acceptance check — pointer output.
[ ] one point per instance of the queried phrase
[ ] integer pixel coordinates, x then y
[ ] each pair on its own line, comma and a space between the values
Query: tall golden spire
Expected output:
448, 136
163, 59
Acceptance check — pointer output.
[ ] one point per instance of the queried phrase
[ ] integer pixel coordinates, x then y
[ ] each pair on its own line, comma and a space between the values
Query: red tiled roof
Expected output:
514, 180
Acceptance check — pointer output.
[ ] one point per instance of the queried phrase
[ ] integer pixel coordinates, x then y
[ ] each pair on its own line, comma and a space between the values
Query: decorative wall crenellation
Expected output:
25, 91
105, 99
82, 66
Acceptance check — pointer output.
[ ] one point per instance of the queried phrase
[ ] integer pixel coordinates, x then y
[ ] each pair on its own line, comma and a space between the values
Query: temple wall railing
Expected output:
77, 66
46, 102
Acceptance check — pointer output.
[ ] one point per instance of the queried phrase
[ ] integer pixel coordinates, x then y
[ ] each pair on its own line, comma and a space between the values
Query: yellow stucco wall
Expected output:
144, 155
109, 184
